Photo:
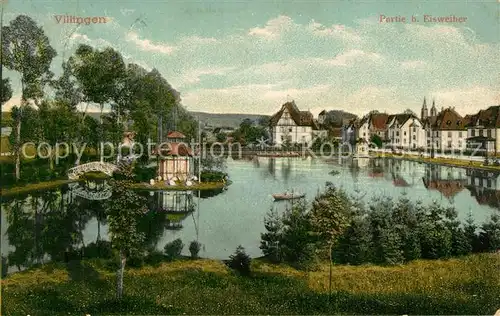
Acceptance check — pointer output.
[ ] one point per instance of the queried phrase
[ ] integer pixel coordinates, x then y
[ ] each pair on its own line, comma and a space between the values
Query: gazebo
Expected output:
175, 159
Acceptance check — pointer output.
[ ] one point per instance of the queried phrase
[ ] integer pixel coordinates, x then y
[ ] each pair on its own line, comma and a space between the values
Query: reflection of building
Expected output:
177, 204
175, 159
448, 181
484, 186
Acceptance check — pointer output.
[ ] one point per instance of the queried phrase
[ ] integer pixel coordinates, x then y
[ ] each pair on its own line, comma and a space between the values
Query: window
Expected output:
428, 142
489, 133
481, 132
404, 140
428, 133
414, 137
488, 183
473, 132
397, 133
414, 129
290, 129
460, 134
449, 134
460, 144
449, 144
397, 140
405, 133
364, 134
437, 144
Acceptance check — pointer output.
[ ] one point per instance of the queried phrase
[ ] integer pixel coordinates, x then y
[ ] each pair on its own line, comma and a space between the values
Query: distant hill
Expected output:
225, 120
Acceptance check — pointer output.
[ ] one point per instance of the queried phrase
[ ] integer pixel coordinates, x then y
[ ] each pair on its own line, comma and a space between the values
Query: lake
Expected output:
222, 220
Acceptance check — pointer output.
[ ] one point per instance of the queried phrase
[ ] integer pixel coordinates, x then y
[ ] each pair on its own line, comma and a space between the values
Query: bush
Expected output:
240, 261
194, 249
173, 249
154, 257
212, 176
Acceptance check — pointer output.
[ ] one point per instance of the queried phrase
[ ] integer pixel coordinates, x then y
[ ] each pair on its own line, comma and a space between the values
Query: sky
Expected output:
252, 56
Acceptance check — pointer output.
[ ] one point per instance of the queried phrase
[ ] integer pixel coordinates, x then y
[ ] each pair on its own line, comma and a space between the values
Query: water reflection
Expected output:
70, 221
59, 224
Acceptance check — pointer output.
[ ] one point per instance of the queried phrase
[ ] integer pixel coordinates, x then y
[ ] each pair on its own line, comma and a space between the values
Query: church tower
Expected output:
425, 112
433, 109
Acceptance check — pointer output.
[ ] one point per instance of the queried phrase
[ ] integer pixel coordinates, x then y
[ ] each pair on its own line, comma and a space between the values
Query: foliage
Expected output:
330, 215
240, 261
298, 244
173, 249
377, 140
249, 132
194, 249
212, 176
270, 243
5, 90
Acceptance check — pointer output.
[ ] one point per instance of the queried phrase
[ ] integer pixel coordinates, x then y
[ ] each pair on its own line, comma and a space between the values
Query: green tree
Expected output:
270, 241
221, 137
354, 245
123, 211
26, 49
330, 215
240, 261
6, 90
375, 139
490, 236
298, 244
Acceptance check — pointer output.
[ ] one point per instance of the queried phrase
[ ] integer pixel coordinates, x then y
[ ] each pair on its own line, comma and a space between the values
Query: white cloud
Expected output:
193, 76
274, 27
336, 31
467, 100
147, 45
352, 56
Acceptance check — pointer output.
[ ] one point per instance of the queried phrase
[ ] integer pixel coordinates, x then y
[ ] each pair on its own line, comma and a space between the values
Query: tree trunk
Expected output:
18, 149
119, 275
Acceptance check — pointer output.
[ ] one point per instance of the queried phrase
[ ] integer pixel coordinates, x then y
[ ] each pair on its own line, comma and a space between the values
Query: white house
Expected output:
296, 126
448, 132
406, 131
483, 129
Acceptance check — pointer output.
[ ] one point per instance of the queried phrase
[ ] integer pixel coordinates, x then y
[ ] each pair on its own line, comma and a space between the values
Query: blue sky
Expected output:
250, 57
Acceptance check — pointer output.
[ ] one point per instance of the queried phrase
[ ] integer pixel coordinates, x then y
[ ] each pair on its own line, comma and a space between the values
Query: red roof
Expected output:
379, 121
175, 134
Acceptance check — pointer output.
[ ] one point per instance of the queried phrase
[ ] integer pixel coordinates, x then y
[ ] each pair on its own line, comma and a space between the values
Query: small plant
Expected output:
194, 249
173, 249
240, 261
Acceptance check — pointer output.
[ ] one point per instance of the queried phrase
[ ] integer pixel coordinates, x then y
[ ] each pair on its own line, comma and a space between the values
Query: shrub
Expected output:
154, 257
173, 249
194, 249
240, 261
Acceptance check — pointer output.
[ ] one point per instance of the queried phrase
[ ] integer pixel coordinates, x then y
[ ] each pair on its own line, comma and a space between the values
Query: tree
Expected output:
26, 49
490, 236
354, 245
240, 261
221, 137
330, 215
270, 242
6, 90
194, 249
298, 243
375, 139
123, 210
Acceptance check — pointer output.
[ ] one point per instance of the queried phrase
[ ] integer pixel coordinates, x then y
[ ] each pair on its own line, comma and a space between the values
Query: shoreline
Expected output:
450, 162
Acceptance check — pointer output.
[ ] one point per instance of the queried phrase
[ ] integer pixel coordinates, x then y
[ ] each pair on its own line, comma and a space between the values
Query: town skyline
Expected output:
330, 55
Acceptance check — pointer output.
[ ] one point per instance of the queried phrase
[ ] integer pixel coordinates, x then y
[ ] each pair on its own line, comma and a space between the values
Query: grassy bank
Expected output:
32, 187
469, 285
453, 162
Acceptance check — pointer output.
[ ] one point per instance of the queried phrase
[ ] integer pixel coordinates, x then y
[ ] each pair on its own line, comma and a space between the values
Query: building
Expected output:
291, 125
483, 130
374, 123
448, 131
350, 132
405, 131
175, 159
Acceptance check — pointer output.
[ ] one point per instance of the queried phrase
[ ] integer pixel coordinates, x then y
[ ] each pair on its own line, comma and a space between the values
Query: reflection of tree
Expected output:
152, 224
20, 233
286, 169
354, 170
